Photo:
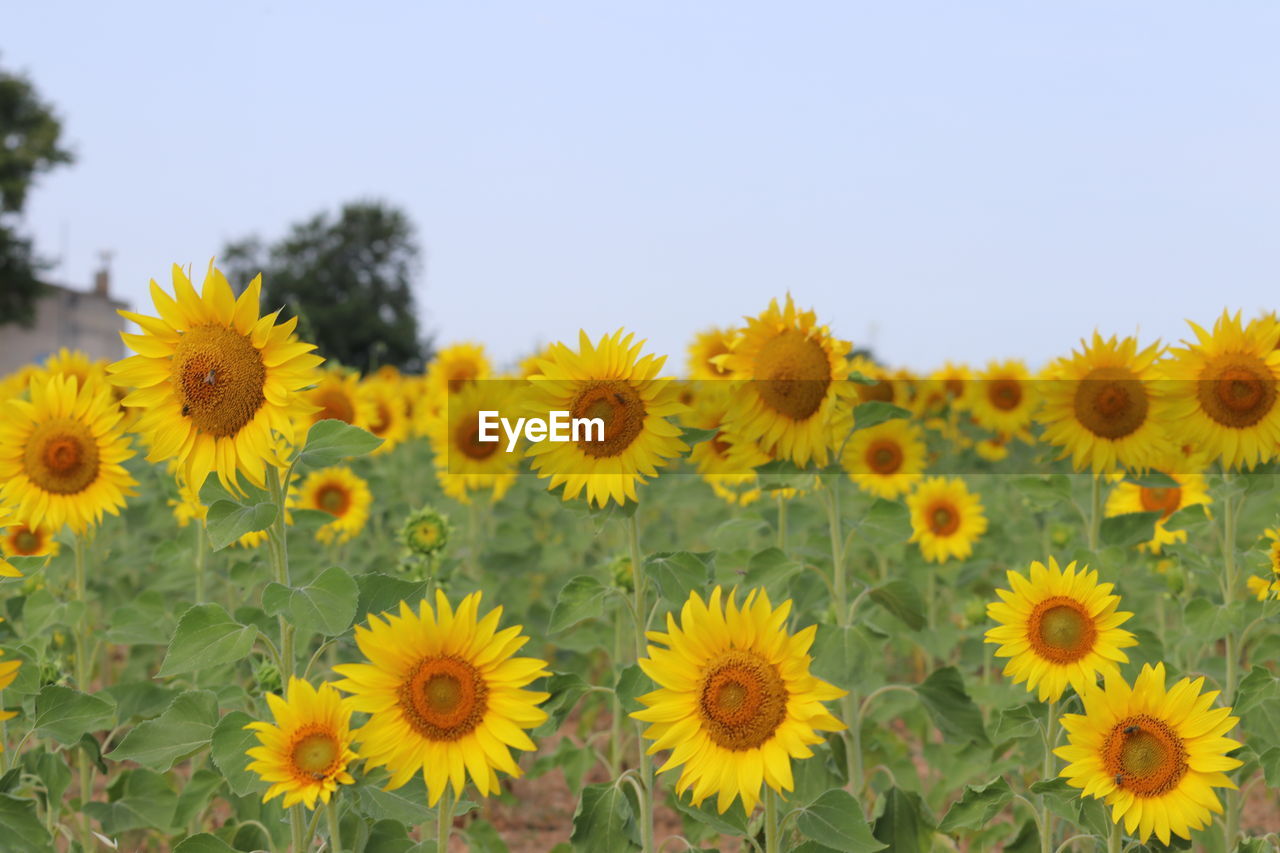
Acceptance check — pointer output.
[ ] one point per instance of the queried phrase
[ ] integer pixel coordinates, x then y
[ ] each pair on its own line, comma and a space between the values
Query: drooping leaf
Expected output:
65, 714
953, 712
182, 729
325, 606
206, 637
977, 805
835, 820
331, 441
604, 820
227, 521
580, 599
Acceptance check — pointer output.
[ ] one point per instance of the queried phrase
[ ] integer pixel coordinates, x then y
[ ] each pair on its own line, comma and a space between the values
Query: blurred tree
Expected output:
29, 133
349, 280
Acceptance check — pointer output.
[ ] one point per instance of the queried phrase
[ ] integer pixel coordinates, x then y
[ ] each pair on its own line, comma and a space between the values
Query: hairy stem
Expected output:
641, 614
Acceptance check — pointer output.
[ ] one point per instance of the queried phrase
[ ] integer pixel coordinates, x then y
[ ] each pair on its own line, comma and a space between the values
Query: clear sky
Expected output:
938, 179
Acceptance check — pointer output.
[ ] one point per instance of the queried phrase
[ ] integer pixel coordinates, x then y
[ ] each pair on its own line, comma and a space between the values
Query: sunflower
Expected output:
609, 381
306, 753
69, 362
8, 672
726, 461
705, 351
884, 388
885, 460
1003, 398
214, 379
946, 518
1263, 588
455, 366
1103, 408
61, 455
6, 569
1128, 497
1153, 755
956, 379
445, 694
735, 699
795, 372
388, 412
23, 540
1272, 535
1225, 390
1060, 627
463, 463
336, 396
338, 491
425, 532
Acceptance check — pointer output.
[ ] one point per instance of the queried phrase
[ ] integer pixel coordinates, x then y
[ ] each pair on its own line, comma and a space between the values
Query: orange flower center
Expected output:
1144, 755
333, 499
1237, 390
467, 437
334, 405
1004, 394
943, 518
617, 404
884, 456
1061, 630
1111, 402
742, 700
24, 542
444, 698
61, 456
1164, 500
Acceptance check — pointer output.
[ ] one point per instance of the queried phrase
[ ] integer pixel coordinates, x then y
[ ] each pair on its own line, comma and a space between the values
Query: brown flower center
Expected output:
334, 405
1004, 394
617, 404
1166, 500
1111, 402
742, 700
884, 456
793, 374
1144, 755
444, 698
24, 542
1061, 630
61, 456
467, 438
1237, 390
219, 376
333, 499
943, 518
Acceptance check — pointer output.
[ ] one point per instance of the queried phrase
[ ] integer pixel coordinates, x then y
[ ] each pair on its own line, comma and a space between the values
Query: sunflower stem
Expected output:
849, 704
202, 549
782, 521
84, 667
771, 840
444, 819
615, 708
1047, 774
335, 830
1230, 518
1095, 511
280, 565
473, 538
1113, 839
641, 613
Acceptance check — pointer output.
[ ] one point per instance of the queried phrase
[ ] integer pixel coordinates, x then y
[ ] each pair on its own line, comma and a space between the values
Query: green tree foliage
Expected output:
29, 134
349, 279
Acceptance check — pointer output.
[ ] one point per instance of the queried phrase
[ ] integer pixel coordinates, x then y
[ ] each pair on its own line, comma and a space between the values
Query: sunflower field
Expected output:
779, 597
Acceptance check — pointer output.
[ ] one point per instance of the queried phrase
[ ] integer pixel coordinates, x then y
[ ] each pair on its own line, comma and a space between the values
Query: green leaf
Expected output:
770, 569
228, 521
565, 689
1188, 518
732, 823
195, 794
632, 682
902, 599
141, 799
483, 838
22, 829
203, 843
953, 712
1043, 493
381, 593
1017, 723
53, 771
904, 824
679, 573
1258, 706
331, 441
977, 806
876, 412
692, 435
1152, 480
228, 743
325, 606
65, 714
604, 820
841, 653
580, 599
206, 637
885, 523
407, 804
140, 699
1270, 761
835, 820
181, 730
1128, 529
1066, 803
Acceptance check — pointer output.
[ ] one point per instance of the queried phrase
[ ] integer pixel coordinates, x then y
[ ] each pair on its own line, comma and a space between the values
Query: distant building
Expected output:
74, 319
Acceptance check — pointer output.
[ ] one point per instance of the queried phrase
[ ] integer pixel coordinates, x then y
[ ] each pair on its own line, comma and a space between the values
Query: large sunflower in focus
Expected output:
735, 699
214, 379
61, 455
795, 371
885, 460
1061, 627
946, 519
1153, 754
1104, 409
463, 463
705, 351
1002, 399
1128, 497
305, 753
1225, 391
446, 695
609, 380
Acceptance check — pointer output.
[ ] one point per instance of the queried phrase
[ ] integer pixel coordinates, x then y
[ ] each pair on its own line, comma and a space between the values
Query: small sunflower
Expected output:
1060, 627
612, 382
1153, 755
1272, 535
455, 366
1104, 408
946, 518
336, 396
1129, 497
214, 379
794, 372
886, 387
735, 699
306, 752
69, 362
1225, 391
705, 351
425, 533
957, 380
463, 463
61, 455
8, 672
726, 461
446, 695
886, 460
388, 413
338, 491
23, 540
1263, 588
1003, 399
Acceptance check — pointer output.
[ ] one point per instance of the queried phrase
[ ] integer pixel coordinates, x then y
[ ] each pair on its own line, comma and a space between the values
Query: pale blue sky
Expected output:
959, 179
